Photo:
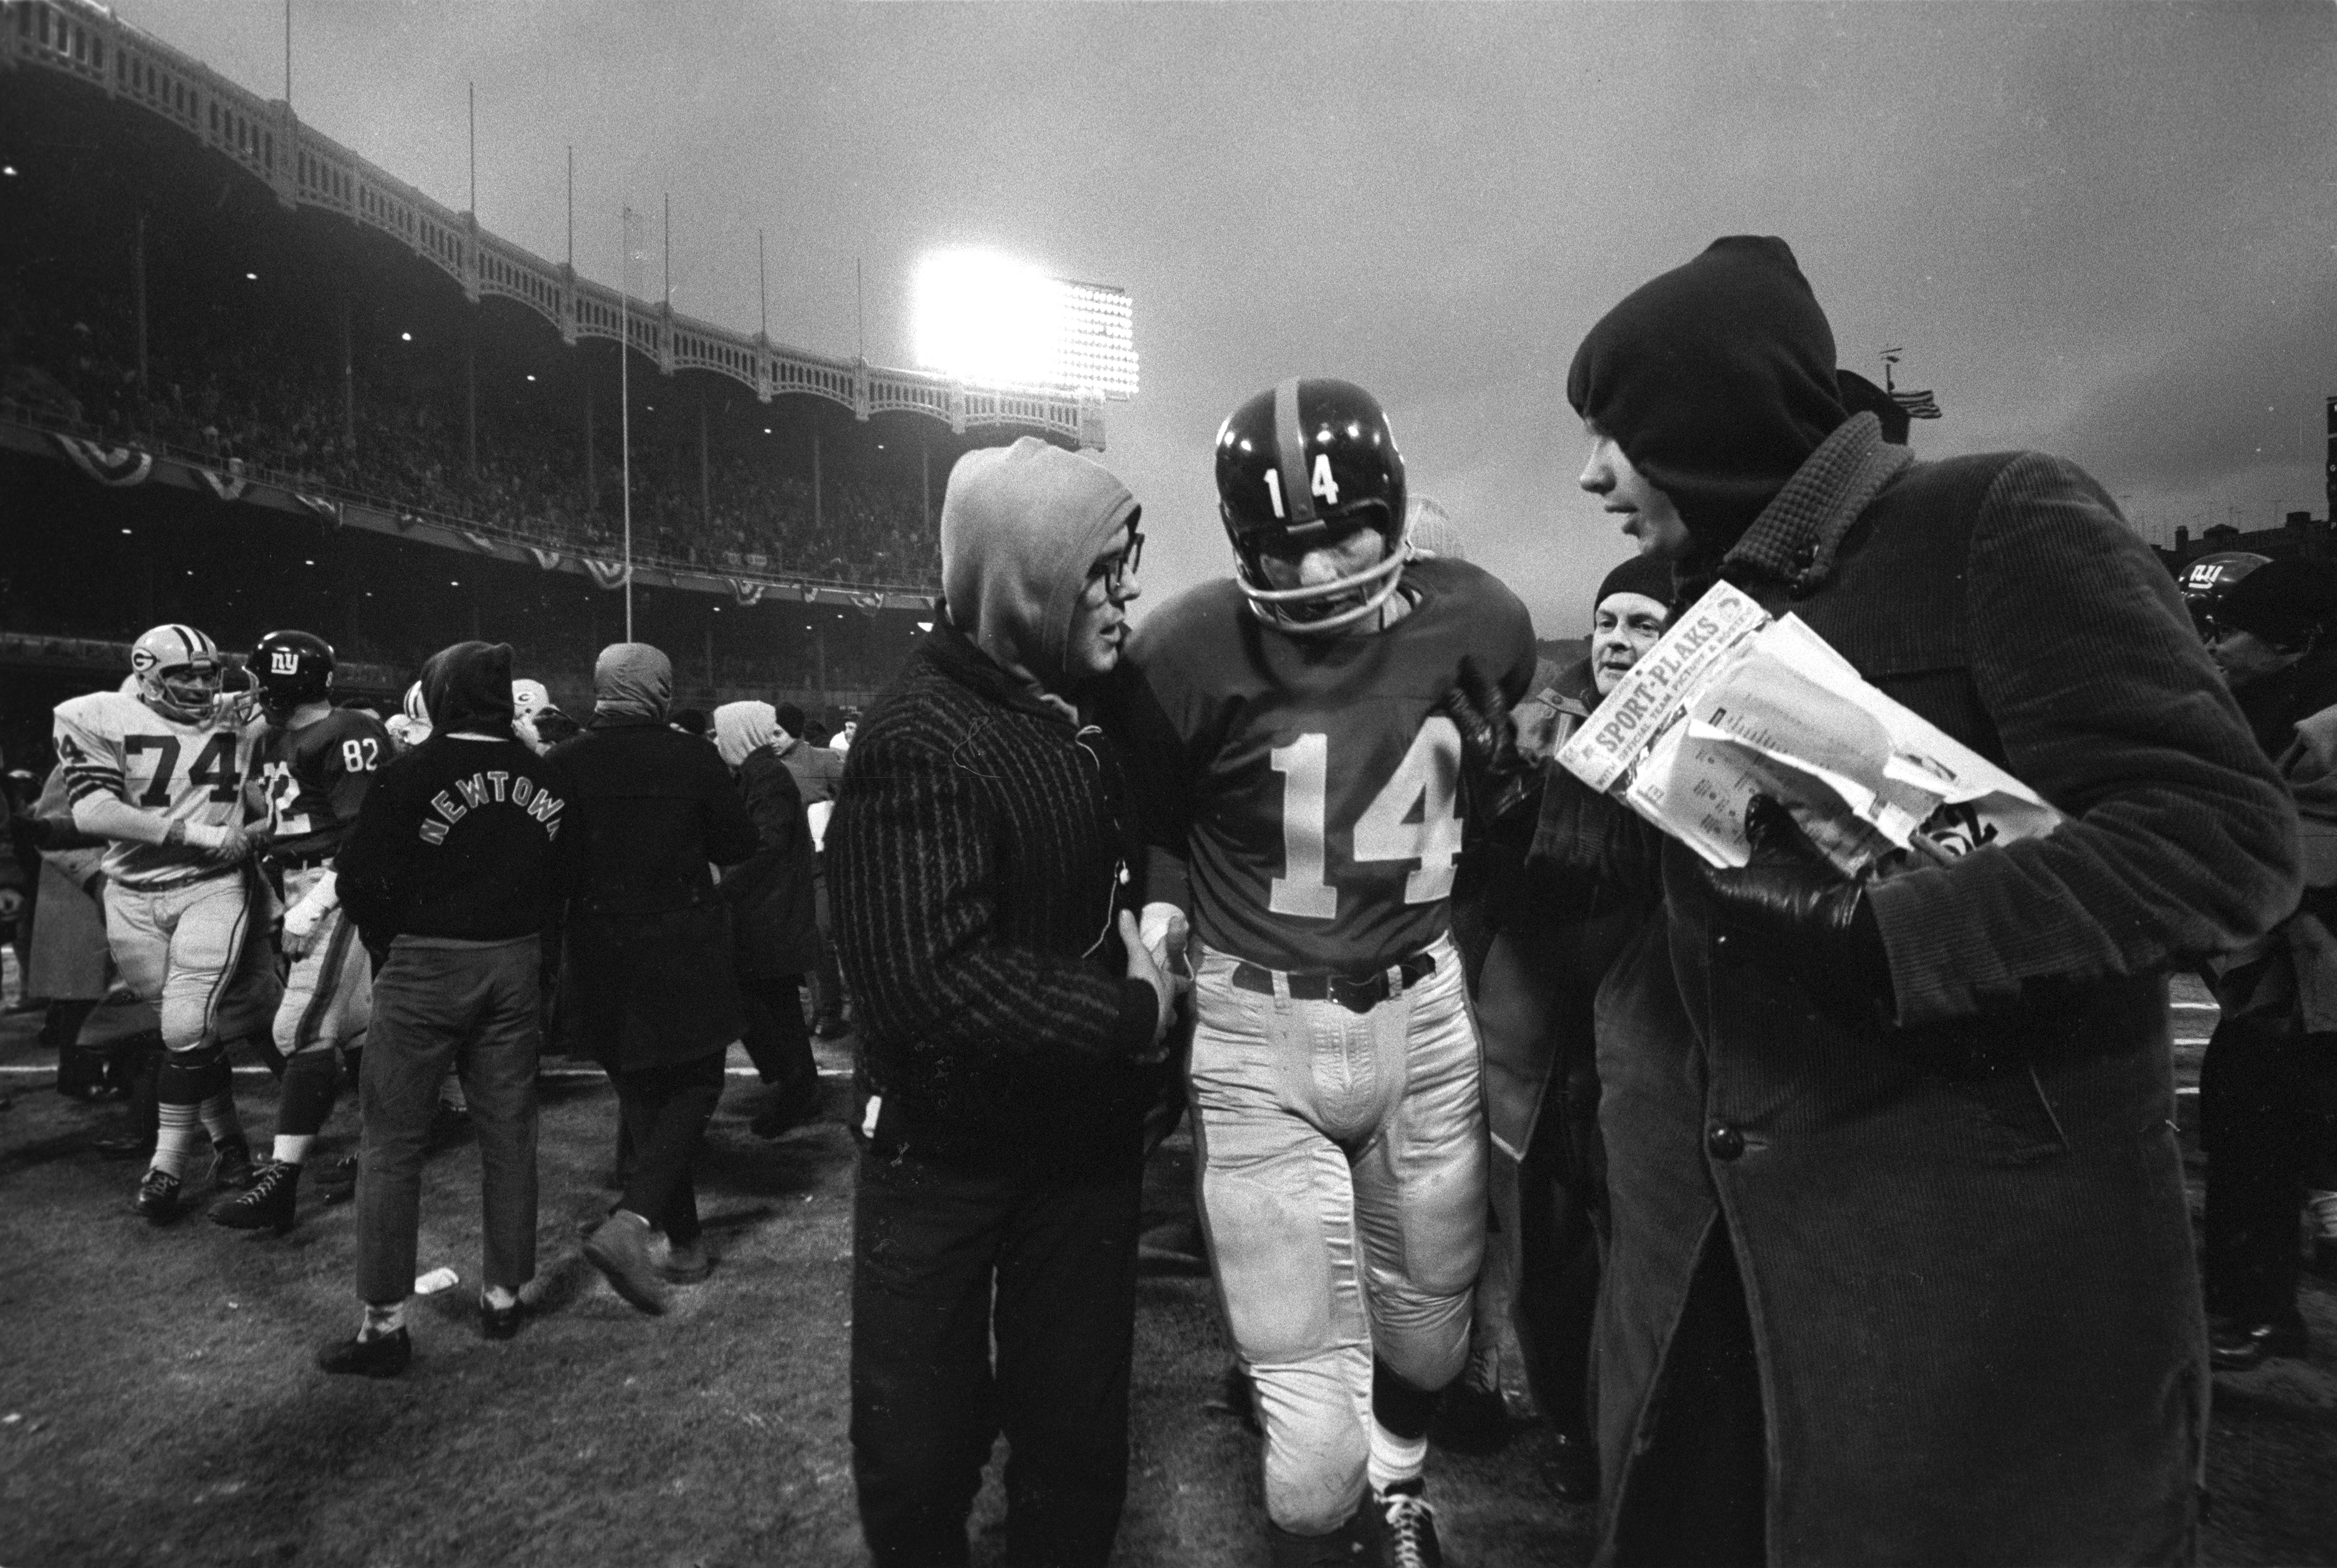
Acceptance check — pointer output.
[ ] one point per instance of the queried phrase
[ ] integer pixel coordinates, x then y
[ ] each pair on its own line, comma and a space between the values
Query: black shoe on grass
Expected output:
158, 1197
385, 1356
267, 1204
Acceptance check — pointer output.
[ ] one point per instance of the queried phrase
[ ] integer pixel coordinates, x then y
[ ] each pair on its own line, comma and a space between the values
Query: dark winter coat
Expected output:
1965, 1243
770, 892
975, 862
648, 979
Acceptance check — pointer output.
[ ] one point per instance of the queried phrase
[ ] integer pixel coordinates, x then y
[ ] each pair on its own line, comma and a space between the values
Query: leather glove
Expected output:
1791, 901
1499, 780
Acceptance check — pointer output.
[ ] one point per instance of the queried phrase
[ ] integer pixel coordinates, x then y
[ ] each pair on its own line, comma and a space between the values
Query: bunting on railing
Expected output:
869, 603
117, 465
608, 574
479, 541
226, 487
324, 507
747, 592
809, 591
547, 559
406, 521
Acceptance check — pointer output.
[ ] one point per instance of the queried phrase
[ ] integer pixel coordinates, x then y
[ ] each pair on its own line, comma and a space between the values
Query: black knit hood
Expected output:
467, 687
1717, 379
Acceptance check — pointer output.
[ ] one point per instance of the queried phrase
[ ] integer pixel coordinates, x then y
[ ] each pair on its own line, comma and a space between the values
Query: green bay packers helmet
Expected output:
1299, 466
291, 668
178, 671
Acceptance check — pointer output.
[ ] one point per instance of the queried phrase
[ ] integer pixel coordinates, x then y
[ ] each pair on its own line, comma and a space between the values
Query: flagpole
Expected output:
625, 406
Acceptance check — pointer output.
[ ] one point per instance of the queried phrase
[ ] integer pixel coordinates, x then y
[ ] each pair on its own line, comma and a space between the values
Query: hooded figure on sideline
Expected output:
1901, 1271
772, 918
1010, 1022
649, 989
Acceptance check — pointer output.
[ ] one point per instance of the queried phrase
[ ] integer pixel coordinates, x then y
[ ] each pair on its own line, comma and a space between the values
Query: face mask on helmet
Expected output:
1306, 467
177, 669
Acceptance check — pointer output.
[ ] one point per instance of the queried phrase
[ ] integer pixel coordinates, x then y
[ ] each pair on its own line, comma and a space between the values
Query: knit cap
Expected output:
1647, 574
1718, 381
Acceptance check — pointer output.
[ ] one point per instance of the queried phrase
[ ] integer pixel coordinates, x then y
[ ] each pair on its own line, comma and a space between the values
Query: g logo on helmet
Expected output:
142, 659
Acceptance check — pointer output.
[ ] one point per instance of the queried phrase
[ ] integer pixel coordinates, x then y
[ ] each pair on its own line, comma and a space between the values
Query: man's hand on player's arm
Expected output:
1166, 988
110, 817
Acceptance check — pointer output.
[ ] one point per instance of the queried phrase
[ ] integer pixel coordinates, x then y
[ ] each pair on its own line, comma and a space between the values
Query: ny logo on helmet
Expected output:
283, 661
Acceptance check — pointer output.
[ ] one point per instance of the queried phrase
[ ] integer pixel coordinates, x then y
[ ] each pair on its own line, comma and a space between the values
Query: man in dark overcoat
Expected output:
1901, 1271
649, 992
773, 918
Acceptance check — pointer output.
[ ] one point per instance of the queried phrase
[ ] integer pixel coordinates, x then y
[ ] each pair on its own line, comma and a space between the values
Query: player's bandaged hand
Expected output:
1165, 935
224, 845
300, 923
1498, 777
1790, 899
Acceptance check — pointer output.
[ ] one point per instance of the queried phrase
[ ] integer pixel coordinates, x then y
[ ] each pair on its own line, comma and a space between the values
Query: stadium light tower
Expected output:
984, 316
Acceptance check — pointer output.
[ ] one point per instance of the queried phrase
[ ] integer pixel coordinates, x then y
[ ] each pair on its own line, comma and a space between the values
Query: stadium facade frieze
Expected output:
305, 168
110, 463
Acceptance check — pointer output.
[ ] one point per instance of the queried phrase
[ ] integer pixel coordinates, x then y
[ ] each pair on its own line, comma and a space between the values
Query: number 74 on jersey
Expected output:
1415, 816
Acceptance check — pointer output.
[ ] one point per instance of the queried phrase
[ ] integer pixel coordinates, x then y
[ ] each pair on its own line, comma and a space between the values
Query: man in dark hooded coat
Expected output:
1901, 1270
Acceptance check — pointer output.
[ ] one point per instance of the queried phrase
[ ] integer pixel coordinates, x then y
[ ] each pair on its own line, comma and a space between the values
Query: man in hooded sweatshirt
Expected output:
649, 989
1010, 1028
457, 861
1901, 1271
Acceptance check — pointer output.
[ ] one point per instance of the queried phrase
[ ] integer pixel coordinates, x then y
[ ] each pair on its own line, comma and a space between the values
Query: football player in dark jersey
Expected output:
317, 761
1307, 814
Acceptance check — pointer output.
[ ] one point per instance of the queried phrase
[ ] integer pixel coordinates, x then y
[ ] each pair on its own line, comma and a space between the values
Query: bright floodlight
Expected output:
984, 317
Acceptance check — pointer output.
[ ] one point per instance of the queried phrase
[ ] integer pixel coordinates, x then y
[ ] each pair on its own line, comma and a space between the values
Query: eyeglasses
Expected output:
1114, 574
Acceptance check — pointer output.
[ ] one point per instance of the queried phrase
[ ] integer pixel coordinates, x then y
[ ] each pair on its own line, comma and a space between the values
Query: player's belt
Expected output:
1355, 993
287, 863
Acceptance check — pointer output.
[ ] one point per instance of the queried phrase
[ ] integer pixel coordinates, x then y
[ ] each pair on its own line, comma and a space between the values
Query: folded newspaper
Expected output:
1730, 703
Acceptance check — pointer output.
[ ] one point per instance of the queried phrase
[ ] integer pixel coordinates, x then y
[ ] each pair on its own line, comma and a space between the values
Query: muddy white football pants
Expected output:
328, 993
189, 949
1342, 1160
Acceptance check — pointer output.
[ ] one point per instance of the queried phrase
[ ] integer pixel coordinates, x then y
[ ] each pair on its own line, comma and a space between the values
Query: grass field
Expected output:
158, 1404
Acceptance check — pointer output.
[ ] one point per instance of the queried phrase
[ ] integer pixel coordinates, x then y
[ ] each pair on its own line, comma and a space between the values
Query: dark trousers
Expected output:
827, 980
1698, 1497
478, 1006
943, 1261
666, 1109
1556, 1307
2261, 1124
777, 1040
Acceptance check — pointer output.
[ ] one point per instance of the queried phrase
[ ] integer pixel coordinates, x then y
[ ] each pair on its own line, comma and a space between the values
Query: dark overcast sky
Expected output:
2106, 229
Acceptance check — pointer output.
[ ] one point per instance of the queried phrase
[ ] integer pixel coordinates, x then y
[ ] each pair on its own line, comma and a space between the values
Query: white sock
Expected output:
381, 1321
2324, 1213
176, 1138
1395, 1459
500, 1298
292, 1148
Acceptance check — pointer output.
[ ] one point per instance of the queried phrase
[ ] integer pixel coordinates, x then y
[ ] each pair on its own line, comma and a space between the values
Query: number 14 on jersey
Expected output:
1412, 818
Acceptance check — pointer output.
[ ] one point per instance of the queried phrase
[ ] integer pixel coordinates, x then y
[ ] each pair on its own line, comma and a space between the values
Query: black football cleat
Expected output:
158, 1197
267, 1204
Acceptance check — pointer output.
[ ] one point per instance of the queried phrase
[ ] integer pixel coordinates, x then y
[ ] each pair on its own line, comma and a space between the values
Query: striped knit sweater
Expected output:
974, 863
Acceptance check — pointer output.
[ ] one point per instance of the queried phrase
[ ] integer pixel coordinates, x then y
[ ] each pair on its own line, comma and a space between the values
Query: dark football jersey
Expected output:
1313, 790
318, 776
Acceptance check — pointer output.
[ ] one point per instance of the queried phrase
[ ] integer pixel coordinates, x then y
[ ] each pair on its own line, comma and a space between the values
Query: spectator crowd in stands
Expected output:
233, 389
